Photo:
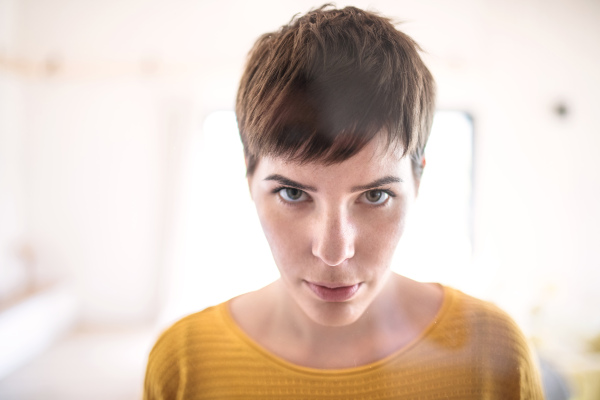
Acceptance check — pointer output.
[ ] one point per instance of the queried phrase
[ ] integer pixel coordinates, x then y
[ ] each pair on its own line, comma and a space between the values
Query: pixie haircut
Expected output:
324, 85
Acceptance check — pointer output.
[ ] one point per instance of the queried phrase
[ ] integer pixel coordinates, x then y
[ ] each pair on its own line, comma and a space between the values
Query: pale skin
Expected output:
336, 226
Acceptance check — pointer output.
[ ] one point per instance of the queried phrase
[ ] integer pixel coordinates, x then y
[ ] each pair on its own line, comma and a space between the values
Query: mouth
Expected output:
333, 292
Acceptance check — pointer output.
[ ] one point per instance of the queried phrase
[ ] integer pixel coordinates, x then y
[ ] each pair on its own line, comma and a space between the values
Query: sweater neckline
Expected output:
448, 299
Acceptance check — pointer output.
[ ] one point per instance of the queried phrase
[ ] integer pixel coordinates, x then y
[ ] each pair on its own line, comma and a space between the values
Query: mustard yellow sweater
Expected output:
471, 351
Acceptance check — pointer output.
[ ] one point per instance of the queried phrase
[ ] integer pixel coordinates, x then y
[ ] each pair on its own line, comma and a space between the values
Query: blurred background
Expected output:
123, 204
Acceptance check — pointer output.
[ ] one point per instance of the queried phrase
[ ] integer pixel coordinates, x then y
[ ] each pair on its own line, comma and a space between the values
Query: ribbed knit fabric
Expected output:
472, 350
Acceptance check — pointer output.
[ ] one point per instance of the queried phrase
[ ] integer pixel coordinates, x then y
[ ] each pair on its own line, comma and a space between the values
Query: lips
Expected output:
333, 293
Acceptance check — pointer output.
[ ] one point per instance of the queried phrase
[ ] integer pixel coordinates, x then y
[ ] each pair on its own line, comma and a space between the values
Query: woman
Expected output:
334, 112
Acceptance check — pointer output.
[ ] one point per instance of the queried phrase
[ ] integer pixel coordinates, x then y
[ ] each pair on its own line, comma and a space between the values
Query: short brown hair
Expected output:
324, 85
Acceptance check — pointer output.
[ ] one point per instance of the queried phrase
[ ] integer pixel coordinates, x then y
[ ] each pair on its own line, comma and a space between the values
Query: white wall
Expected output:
108, 85
12, 167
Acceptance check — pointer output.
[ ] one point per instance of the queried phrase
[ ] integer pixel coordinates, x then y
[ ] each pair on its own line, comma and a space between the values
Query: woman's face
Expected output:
333, 229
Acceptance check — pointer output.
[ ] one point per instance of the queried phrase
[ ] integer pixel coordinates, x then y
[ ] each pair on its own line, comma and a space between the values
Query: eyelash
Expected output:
278, 189
286, 202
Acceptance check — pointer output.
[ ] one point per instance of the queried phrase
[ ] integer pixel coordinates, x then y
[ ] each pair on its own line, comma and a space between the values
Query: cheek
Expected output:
379, 236
284, 235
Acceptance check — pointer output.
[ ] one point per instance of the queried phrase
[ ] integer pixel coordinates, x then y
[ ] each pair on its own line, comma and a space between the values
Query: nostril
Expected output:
333, 262
334, 248
333, 236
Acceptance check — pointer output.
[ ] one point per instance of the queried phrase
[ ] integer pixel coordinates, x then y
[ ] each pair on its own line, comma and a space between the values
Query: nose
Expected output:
334, 237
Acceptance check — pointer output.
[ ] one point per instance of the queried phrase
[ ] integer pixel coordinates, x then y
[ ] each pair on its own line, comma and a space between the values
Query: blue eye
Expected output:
375, 197
292, 195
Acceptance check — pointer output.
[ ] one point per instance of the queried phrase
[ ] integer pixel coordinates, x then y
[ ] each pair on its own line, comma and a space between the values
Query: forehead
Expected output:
372, 162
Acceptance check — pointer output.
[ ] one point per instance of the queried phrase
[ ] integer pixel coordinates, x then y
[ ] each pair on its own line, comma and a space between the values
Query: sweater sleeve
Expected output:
163, 372
511, 360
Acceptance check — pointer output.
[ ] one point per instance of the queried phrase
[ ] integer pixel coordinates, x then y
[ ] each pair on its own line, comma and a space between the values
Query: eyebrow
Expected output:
375, 184
288, 182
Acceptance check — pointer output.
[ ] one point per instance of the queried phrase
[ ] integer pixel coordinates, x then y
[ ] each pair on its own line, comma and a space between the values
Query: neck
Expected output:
397, 316
371, 337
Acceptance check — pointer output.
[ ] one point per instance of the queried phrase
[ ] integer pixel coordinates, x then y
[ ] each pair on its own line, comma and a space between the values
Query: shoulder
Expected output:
492, 340
177, 347
190, 329
481, 324
483, 320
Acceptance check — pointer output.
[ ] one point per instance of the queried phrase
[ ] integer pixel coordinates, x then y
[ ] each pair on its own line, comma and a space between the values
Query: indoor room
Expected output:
124, 204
